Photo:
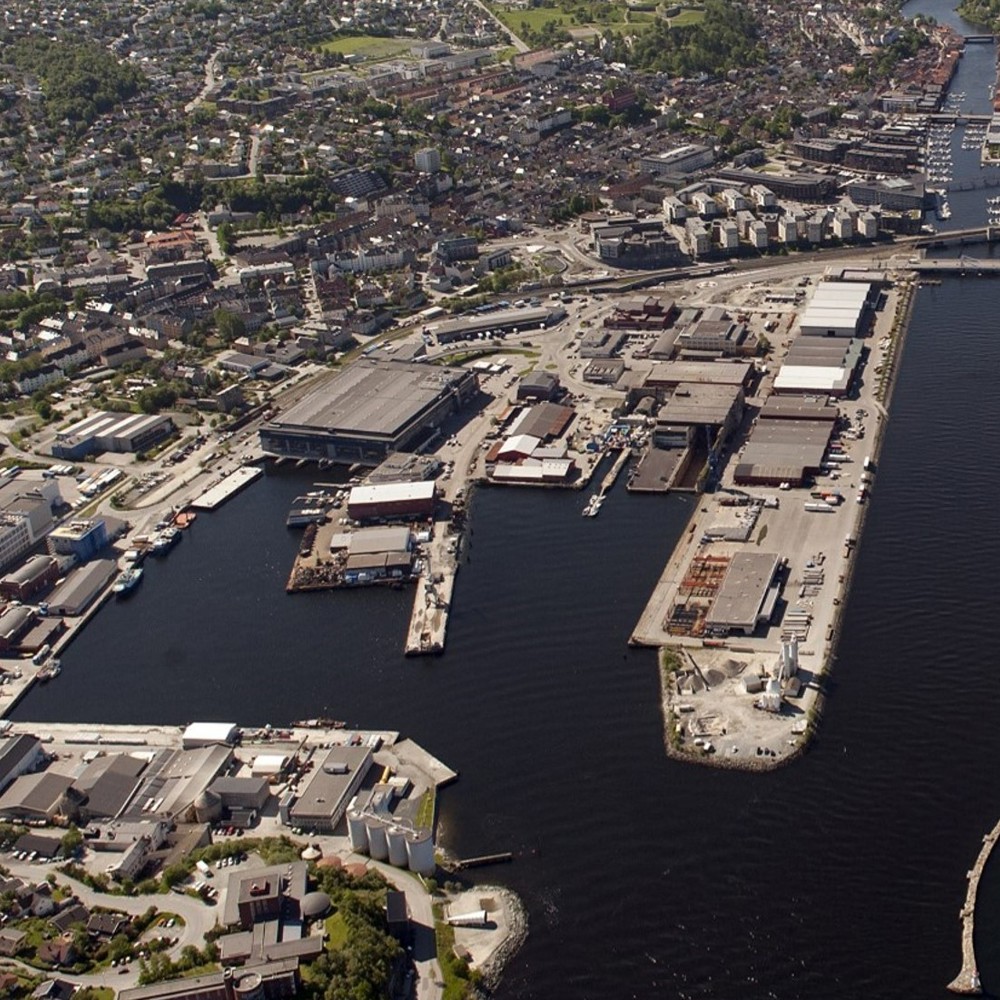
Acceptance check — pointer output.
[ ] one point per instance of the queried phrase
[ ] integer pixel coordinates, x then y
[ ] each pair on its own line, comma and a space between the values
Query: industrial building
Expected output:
718, 332
376, 554
747, 595
499, 321
174, 779
76, 593
665, 377
715, 409
19, 755
82, 538
783, 451
538, 385
368, 410
35, 576
25, 516
272, 980
392, 501
819, 366
35, 796
206, 734
837, 309
320, 804
682, 160
118, 432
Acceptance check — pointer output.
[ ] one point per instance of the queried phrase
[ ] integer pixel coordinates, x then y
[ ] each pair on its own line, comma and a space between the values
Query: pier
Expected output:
429, 620
227, 487
966, 983
503, 858
609, 480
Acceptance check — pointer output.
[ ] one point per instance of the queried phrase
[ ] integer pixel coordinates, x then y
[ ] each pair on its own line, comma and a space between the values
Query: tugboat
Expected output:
128, 581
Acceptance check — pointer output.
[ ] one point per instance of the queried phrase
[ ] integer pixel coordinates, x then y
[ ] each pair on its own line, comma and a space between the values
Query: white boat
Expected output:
128, 581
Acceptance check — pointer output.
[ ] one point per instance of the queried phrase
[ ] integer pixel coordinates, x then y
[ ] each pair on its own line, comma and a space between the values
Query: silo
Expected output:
378, 846
420, 851
249, 986
357, 832
397, 846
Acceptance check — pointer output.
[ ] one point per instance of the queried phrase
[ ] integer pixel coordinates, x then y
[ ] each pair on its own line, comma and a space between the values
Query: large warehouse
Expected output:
837, 309
123, 432
369, 410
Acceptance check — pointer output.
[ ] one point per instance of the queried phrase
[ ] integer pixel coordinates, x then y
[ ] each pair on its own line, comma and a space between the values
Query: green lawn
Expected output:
366, 46
686, 18
336, 931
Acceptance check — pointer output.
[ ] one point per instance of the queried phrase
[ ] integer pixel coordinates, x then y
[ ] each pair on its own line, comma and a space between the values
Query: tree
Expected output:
228, 325
72, 839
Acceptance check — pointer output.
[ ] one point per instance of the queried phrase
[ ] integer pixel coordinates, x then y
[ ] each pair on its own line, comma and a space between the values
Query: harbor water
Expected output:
839, 876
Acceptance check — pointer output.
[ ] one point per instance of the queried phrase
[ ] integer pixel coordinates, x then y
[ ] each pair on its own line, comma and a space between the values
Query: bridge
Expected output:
961, 265
958, 237
958, 117
979, 39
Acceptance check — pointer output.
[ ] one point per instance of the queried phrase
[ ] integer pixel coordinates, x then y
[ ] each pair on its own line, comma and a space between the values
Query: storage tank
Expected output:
249, 986
357, 832
378, 846
397, 846
420, 852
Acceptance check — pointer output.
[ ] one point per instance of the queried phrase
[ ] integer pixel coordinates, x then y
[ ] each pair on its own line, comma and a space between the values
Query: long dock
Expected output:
966, 983
429, 620
612, 474
227, 487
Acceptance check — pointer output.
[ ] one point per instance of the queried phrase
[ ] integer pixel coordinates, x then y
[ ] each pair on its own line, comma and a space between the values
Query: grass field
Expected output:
366, 46
686, 18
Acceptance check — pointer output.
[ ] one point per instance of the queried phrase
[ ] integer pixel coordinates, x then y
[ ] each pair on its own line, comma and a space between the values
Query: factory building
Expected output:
25, 517
817, 365
36, 575
788, 442
499, 321
392, 501
77, 592
82, 538
837, 309
682, 160
118, 432
747, 595
320, 803
269, 980
19, 755
174, 779
39, 796
539, 385
664, 377
368, 410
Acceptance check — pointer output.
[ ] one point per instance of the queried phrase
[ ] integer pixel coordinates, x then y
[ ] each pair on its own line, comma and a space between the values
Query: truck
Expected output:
203, 867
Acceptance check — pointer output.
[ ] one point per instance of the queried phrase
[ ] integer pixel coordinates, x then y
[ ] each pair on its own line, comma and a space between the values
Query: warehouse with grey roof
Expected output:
368, 410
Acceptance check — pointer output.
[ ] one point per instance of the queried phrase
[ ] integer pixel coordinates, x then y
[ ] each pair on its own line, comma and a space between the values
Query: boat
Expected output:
128, 581
165, 540
50, 670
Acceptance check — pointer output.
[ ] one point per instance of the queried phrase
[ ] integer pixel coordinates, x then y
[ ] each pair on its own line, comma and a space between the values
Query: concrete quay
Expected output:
966, 983
428, 627
710, 715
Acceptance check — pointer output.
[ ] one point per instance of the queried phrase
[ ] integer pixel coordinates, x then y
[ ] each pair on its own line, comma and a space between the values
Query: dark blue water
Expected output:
841, 876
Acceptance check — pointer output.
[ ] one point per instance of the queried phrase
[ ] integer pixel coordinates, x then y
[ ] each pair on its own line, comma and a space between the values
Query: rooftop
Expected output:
371, 397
